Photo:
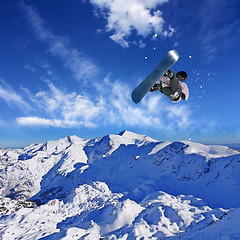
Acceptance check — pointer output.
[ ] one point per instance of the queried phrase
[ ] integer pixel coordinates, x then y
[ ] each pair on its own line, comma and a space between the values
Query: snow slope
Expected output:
124, 186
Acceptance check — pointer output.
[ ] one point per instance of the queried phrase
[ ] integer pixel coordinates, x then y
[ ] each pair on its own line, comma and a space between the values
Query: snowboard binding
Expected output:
157, 86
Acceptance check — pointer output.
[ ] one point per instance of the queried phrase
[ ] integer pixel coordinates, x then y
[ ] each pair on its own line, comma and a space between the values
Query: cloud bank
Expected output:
11, 97
111, 105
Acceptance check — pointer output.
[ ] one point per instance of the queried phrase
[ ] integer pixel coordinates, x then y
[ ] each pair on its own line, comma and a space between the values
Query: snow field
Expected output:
124, 186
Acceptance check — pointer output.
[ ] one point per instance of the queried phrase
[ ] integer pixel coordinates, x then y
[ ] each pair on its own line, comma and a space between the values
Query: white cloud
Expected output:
81, 66
9, 95
29, 68
120, 39
37, 121
180, 115
44, 122
141, 44
170, 32
65, 109
124, 16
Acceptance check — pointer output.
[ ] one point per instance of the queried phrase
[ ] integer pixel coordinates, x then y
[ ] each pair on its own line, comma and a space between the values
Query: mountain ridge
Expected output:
119, 186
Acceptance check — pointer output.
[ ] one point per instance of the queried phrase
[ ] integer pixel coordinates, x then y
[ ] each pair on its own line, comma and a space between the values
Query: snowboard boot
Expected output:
157, 86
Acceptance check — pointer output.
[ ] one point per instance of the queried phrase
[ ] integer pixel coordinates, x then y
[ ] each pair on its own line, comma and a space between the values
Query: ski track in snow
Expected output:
125, 186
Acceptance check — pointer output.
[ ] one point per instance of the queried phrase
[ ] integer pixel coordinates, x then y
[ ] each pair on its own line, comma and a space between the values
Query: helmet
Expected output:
182, 76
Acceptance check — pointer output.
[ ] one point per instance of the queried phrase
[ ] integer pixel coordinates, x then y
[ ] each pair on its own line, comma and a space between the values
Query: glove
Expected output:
169, 74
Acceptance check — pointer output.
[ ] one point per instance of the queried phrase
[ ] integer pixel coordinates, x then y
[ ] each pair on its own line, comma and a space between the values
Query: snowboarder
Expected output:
172, 86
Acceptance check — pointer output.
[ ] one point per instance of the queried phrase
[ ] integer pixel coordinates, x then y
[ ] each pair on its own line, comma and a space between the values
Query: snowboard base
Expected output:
143, 88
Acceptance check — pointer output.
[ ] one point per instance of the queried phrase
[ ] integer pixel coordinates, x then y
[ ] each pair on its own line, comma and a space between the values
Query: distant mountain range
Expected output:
124, 186
235, 146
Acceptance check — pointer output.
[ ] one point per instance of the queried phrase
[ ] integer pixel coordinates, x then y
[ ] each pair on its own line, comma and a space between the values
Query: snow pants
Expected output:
174, 91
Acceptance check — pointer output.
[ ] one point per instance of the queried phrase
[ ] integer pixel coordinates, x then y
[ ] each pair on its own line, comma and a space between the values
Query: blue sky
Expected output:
68, 68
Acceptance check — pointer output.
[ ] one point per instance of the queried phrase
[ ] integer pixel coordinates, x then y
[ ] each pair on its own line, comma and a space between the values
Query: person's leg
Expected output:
174, 91
167, 91
175, 85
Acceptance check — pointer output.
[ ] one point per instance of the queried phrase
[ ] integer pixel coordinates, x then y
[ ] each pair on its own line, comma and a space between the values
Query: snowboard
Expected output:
143, 88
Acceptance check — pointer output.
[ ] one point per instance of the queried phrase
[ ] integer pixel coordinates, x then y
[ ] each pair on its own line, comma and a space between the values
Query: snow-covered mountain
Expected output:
125, 186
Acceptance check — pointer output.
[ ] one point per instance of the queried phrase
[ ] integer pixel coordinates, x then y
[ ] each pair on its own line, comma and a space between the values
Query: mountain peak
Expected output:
136, 136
